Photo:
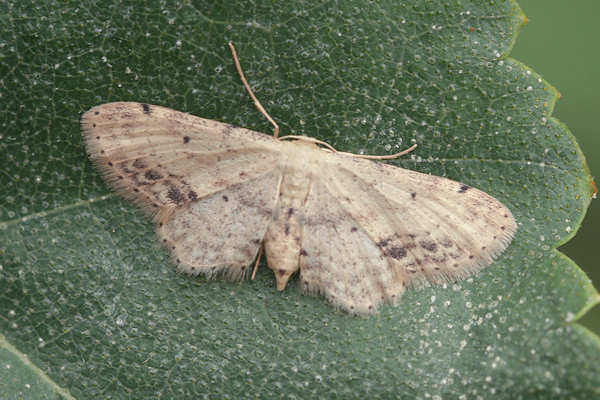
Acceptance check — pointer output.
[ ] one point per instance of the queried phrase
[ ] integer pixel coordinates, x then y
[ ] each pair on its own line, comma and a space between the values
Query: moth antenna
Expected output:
367, 156
264, 112
247, 86
388, 157
309, 139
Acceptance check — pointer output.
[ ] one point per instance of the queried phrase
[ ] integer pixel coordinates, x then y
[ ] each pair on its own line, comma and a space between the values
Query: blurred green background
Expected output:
560, 43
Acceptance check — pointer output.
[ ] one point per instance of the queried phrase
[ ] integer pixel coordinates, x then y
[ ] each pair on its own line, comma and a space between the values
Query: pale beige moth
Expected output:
359, 232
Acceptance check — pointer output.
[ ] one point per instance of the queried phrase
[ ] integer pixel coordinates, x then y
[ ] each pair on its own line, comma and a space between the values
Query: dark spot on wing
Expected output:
383, 242
125, 167
110, 164
192, 195
186, 139
463, 188
397, 252
146, 108
152, 175
225, 198
227, 129
290, 212
175, 195
440, 260
447, 243
353, 229
303, 252
429, 245
287, 229
139, 164
413, 195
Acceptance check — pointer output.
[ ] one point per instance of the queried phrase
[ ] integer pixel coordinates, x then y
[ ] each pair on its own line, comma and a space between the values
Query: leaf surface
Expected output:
91, 299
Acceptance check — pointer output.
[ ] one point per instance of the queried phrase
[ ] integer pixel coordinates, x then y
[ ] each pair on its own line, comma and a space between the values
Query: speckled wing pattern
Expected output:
373, 229
359, 232
210, 187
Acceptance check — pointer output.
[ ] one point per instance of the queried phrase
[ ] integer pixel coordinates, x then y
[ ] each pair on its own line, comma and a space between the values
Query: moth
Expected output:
358, 231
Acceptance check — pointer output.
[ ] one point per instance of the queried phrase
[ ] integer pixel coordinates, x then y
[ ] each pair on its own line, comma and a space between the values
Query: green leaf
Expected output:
20, 379
91, 299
